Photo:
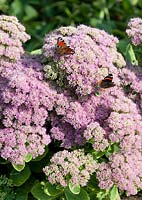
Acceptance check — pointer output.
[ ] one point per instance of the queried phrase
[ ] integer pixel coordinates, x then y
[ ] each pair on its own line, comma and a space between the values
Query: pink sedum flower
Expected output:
95, 56
96, 135
12, 36
70, 167
60, 101
134, 30
25, 102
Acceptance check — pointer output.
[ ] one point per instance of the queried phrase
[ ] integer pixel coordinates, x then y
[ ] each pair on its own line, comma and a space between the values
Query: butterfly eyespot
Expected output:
59, 39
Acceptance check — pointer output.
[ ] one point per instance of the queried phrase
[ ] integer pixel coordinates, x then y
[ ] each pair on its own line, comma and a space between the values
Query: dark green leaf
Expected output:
21, 194
30, 13
52, 190
19, 178
16, 7
82, 195
122, 45
38, 192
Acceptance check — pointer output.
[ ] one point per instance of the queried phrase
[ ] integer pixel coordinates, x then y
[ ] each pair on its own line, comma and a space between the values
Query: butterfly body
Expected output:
62, 48
106, 82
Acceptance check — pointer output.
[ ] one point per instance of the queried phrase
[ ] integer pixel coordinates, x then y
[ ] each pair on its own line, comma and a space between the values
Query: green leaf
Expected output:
21, 194
75, 189
112, 149
18, 167
140, 3
37, 51
23, 190
122, 45
16, 7
114, 195
38, 192
30, 13
3, 5
52, 190
28, 157
19, 178
98, 154
93, 184
134, 2
82, 195
103, 195
130, 55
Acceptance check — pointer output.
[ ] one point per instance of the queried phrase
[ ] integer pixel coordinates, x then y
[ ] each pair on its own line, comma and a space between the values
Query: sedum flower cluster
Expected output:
6, 188
83, 116
134, 30
12, 36
55, 98
95, 134
25, 99
70, 167
95, 56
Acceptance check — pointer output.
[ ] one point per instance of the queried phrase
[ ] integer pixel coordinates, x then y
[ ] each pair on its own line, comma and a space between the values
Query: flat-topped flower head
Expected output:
12, 36
134, 30
70, 167
93, 55
25, 101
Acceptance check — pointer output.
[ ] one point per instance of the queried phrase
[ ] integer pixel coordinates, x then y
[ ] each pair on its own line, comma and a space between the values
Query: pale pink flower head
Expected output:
12, 36
95, 55
134, 30
70, 167
95, 134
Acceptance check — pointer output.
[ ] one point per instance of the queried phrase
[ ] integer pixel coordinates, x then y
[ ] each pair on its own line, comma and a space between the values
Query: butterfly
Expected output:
62, 48
106, 82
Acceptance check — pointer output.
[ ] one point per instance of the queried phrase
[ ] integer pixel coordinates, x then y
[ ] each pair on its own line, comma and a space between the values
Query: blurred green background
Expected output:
42, 16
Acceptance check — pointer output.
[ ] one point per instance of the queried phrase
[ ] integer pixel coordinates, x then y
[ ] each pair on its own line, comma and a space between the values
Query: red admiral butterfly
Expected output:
106, 82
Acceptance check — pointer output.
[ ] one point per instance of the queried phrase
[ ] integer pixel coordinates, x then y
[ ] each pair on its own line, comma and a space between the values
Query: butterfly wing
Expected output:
106, 82
68, 50
62, 48
61, 43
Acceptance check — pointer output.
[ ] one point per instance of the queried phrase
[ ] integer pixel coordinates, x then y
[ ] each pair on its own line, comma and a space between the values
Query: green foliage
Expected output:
19, 178
71, 196
28, 158
38, 192
21, 194
18, 167
128, 52
75, 189
52, 190
130, 55
114, 195
6, 189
